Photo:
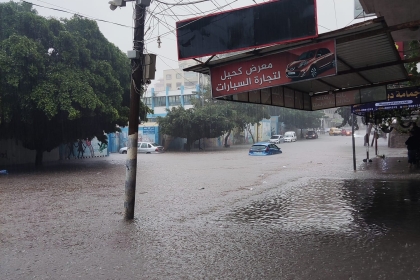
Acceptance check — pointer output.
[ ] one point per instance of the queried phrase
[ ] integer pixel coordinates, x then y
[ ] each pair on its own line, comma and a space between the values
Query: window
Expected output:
169, 86
174, 100
178, 85
190, 75
168, 76
143, 145
187, 99
160, 101
325, 51
190, 84
178, 76
147, 101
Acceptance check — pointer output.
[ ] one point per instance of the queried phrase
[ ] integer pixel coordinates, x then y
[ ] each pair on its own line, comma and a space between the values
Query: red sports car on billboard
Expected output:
309, 64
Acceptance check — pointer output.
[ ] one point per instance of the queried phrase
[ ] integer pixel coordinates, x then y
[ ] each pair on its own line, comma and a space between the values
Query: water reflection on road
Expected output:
339, 229
348, 206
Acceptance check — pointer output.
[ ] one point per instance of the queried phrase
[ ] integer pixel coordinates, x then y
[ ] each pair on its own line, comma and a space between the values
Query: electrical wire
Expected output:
179, 4
335, 13
63, 11
198, 18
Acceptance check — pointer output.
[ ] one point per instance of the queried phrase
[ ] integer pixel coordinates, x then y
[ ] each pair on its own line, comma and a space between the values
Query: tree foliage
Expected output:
345, 113
59, 80
209, 118
242, 116
293, 118
193, 124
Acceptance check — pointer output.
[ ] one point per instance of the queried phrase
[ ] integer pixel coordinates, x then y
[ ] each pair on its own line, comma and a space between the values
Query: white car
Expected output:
276, 139
145, 147
290, 136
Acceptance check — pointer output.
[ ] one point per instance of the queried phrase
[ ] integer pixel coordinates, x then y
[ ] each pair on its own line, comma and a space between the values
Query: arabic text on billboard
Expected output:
309, 62
395, 99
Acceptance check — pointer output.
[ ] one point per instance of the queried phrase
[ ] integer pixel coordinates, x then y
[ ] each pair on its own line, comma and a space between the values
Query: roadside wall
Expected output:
12, 153
84, 149
397, 139
147, 133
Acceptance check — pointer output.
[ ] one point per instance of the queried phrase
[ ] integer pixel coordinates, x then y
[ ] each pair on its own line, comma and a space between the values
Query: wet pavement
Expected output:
217, 214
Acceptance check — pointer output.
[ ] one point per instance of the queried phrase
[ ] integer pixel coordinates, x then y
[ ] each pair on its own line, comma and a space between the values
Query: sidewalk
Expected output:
387, 161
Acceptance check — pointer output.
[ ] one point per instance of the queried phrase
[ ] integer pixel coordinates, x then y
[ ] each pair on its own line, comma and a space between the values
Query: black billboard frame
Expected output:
202, 38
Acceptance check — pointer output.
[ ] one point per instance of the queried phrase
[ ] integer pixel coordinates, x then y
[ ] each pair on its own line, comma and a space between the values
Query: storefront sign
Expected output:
309, 62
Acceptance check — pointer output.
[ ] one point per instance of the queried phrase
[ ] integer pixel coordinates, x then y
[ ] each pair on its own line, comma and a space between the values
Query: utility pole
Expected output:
133, 125
136, 89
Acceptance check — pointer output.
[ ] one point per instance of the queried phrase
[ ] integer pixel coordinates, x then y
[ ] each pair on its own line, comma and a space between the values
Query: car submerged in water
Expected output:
264, 149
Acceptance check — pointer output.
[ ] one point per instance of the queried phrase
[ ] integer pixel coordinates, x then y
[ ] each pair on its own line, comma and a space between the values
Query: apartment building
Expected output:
160, 101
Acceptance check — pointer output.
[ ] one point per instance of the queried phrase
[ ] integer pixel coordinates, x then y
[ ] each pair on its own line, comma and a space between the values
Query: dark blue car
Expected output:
264, 149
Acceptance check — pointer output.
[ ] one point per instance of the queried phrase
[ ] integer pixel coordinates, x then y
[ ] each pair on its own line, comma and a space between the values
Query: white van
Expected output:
290, 136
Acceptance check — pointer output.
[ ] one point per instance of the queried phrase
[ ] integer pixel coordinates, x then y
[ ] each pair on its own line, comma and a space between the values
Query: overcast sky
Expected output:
332, 14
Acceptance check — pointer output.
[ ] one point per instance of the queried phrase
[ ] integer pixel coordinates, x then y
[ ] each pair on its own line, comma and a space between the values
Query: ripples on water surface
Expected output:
338, 206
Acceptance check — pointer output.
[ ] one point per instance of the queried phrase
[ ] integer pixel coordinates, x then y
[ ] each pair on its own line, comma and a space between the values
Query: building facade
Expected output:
160, 101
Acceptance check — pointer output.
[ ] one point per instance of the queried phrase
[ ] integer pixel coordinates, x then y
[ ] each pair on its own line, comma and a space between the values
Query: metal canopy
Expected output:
396, 12
366, 57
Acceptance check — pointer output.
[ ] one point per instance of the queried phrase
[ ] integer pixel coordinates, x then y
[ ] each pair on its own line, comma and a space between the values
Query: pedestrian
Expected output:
412, 149
416, 134
80, 148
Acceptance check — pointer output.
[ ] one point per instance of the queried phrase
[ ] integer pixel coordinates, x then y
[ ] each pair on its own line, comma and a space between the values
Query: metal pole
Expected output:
133, 125
353, 144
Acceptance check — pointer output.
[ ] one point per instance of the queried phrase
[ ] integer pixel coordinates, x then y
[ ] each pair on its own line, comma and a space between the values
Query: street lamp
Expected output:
121, 3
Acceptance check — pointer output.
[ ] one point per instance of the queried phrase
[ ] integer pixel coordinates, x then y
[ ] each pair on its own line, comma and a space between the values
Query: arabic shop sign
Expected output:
309, 62
396, 99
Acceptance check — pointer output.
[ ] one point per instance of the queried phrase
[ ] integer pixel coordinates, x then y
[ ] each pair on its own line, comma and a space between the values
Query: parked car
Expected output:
345, 132
264, 149
334, 131
311, 134
145, 147
290, 136
276, 139
309, 64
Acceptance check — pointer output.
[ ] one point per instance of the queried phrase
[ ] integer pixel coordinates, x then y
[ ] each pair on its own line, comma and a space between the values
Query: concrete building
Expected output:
160, 101
174, 79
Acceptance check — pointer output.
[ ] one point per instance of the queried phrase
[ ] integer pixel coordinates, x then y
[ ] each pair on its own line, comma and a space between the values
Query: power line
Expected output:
78, 14
173, 30
335, 13
179, 4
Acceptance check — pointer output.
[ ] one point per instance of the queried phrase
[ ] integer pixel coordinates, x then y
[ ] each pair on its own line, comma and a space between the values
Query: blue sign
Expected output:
149, 130
405, 98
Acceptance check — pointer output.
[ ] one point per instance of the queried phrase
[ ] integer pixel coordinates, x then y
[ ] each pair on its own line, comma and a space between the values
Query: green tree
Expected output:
194, 124
59, 81
293, 118
240, 116
345, 113
413, 72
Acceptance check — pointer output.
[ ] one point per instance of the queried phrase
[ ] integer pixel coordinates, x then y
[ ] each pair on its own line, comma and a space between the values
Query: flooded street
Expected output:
303, 214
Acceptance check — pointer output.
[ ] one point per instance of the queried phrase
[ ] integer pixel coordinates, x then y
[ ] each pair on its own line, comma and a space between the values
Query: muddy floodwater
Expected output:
217, 214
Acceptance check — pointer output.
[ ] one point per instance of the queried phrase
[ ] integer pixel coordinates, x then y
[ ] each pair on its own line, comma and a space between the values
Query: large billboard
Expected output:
253, 26
309, 62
